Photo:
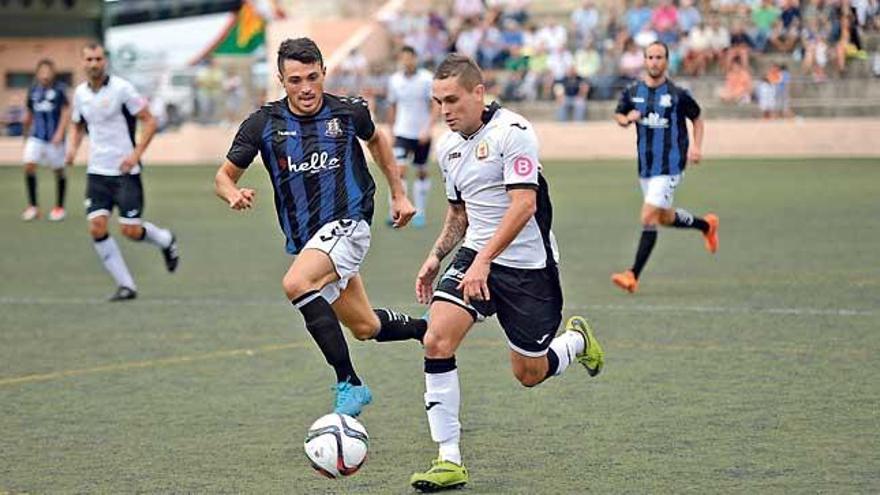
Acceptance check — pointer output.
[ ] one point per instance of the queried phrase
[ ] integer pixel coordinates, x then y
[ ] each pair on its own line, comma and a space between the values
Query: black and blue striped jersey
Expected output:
317, 166
46, 103
662, 131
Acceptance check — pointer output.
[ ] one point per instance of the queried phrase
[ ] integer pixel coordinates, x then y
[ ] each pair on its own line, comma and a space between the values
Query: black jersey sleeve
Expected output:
62, 95
247, 140
624, 105
689, 105
363, 121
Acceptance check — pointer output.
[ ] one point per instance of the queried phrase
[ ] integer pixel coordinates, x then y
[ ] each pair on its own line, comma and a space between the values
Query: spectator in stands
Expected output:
587, 60
209, 79
559, 60
741, 45
763, 18
468, 9
571, 96
629, 68
585, 22
815, 48
467, 42
664, 20
636, 17
516, 10
766, 96
737, 83
791, 10
517, 67
490, 53
784, 39
354, 70
645, 37
553, 36
699, 51
538, 76
689, 16
511, 36
613, 30
783, 90
719, 38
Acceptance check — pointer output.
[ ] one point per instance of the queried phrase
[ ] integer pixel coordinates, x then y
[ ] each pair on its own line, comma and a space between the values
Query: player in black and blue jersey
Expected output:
660, 110
45, 123
323, 192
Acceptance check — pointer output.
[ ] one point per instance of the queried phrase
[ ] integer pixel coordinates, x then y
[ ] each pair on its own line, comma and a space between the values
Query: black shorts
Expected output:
404, 147
125, 192
528, 302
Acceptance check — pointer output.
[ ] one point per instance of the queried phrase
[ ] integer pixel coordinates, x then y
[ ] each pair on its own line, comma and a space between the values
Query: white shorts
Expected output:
44, 153
346, 242
659, 190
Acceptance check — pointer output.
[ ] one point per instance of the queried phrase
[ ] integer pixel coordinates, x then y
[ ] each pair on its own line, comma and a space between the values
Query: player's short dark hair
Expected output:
659, 43
300, 49
408, 49
47, 62
461, 66
94, 45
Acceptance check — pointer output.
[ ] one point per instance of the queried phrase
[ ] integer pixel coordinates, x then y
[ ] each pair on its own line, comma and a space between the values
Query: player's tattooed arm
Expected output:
453, 231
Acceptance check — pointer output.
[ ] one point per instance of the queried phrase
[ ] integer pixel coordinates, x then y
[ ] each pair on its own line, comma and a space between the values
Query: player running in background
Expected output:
413, 114
108, 108
659, 109
323, 194
499, 203
45, 125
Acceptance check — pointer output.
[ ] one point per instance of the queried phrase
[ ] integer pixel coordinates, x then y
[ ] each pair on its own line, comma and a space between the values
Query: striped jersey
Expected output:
662, 131
45, 104
317, 166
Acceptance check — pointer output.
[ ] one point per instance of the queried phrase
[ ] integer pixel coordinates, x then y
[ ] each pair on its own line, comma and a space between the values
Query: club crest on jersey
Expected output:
666, 100
334, 129
482, 150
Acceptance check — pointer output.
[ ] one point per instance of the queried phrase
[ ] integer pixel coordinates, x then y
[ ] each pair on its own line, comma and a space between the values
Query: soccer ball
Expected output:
336, 445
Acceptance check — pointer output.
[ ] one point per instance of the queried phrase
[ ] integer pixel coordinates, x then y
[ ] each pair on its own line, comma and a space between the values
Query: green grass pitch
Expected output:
753, 371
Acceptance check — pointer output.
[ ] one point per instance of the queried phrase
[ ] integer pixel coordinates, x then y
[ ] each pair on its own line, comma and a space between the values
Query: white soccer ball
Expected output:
336, 445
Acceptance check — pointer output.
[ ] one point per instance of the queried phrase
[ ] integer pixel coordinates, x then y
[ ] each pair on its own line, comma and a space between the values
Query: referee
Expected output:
659, 109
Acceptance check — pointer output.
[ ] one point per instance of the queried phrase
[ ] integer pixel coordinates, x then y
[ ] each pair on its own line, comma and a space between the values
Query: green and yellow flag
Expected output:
246, 34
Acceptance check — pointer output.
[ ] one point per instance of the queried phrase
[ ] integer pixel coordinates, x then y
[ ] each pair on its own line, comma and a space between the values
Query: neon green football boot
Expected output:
592, 358
443, 475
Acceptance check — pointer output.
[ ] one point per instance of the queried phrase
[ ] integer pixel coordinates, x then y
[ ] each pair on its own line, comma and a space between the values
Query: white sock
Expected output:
421, 188
157, 235
442, 402
110, 255
567, 346
405, 192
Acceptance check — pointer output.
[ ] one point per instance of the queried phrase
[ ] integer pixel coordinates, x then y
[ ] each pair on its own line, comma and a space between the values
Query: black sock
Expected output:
30, 181
552, 363
685, 220
398, 326
440, 365
322, 324
60, 190
646, 245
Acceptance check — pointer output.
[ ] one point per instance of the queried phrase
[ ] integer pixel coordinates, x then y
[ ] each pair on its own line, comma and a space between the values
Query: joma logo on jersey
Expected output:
453, 155
316, 163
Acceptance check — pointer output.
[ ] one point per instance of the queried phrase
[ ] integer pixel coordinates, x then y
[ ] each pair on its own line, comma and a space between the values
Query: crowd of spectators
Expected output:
597, 49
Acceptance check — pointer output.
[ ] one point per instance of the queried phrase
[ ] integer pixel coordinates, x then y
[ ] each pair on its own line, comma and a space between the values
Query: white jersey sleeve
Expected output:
132, 100
519, 156
453, 195
76, 107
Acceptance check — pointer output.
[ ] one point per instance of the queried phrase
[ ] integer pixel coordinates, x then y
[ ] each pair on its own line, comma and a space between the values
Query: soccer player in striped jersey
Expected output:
323, 193
45, 123
659, 109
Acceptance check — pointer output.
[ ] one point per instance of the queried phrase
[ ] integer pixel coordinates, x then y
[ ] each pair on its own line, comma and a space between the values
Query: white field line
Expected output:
623, 308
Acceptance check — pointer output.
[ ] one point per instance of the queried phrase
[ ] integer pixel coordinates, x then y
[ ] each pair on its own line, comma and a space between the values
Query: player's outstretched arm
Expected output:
380, 148
226, 187
523, 205
454, 228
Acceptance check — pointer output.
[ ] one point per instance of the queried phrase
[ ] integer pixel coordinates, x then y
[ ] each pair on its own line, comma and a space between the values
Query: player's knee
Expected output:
98, 230
30, 168
438, 346
528, 377
294, 287
133, 232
